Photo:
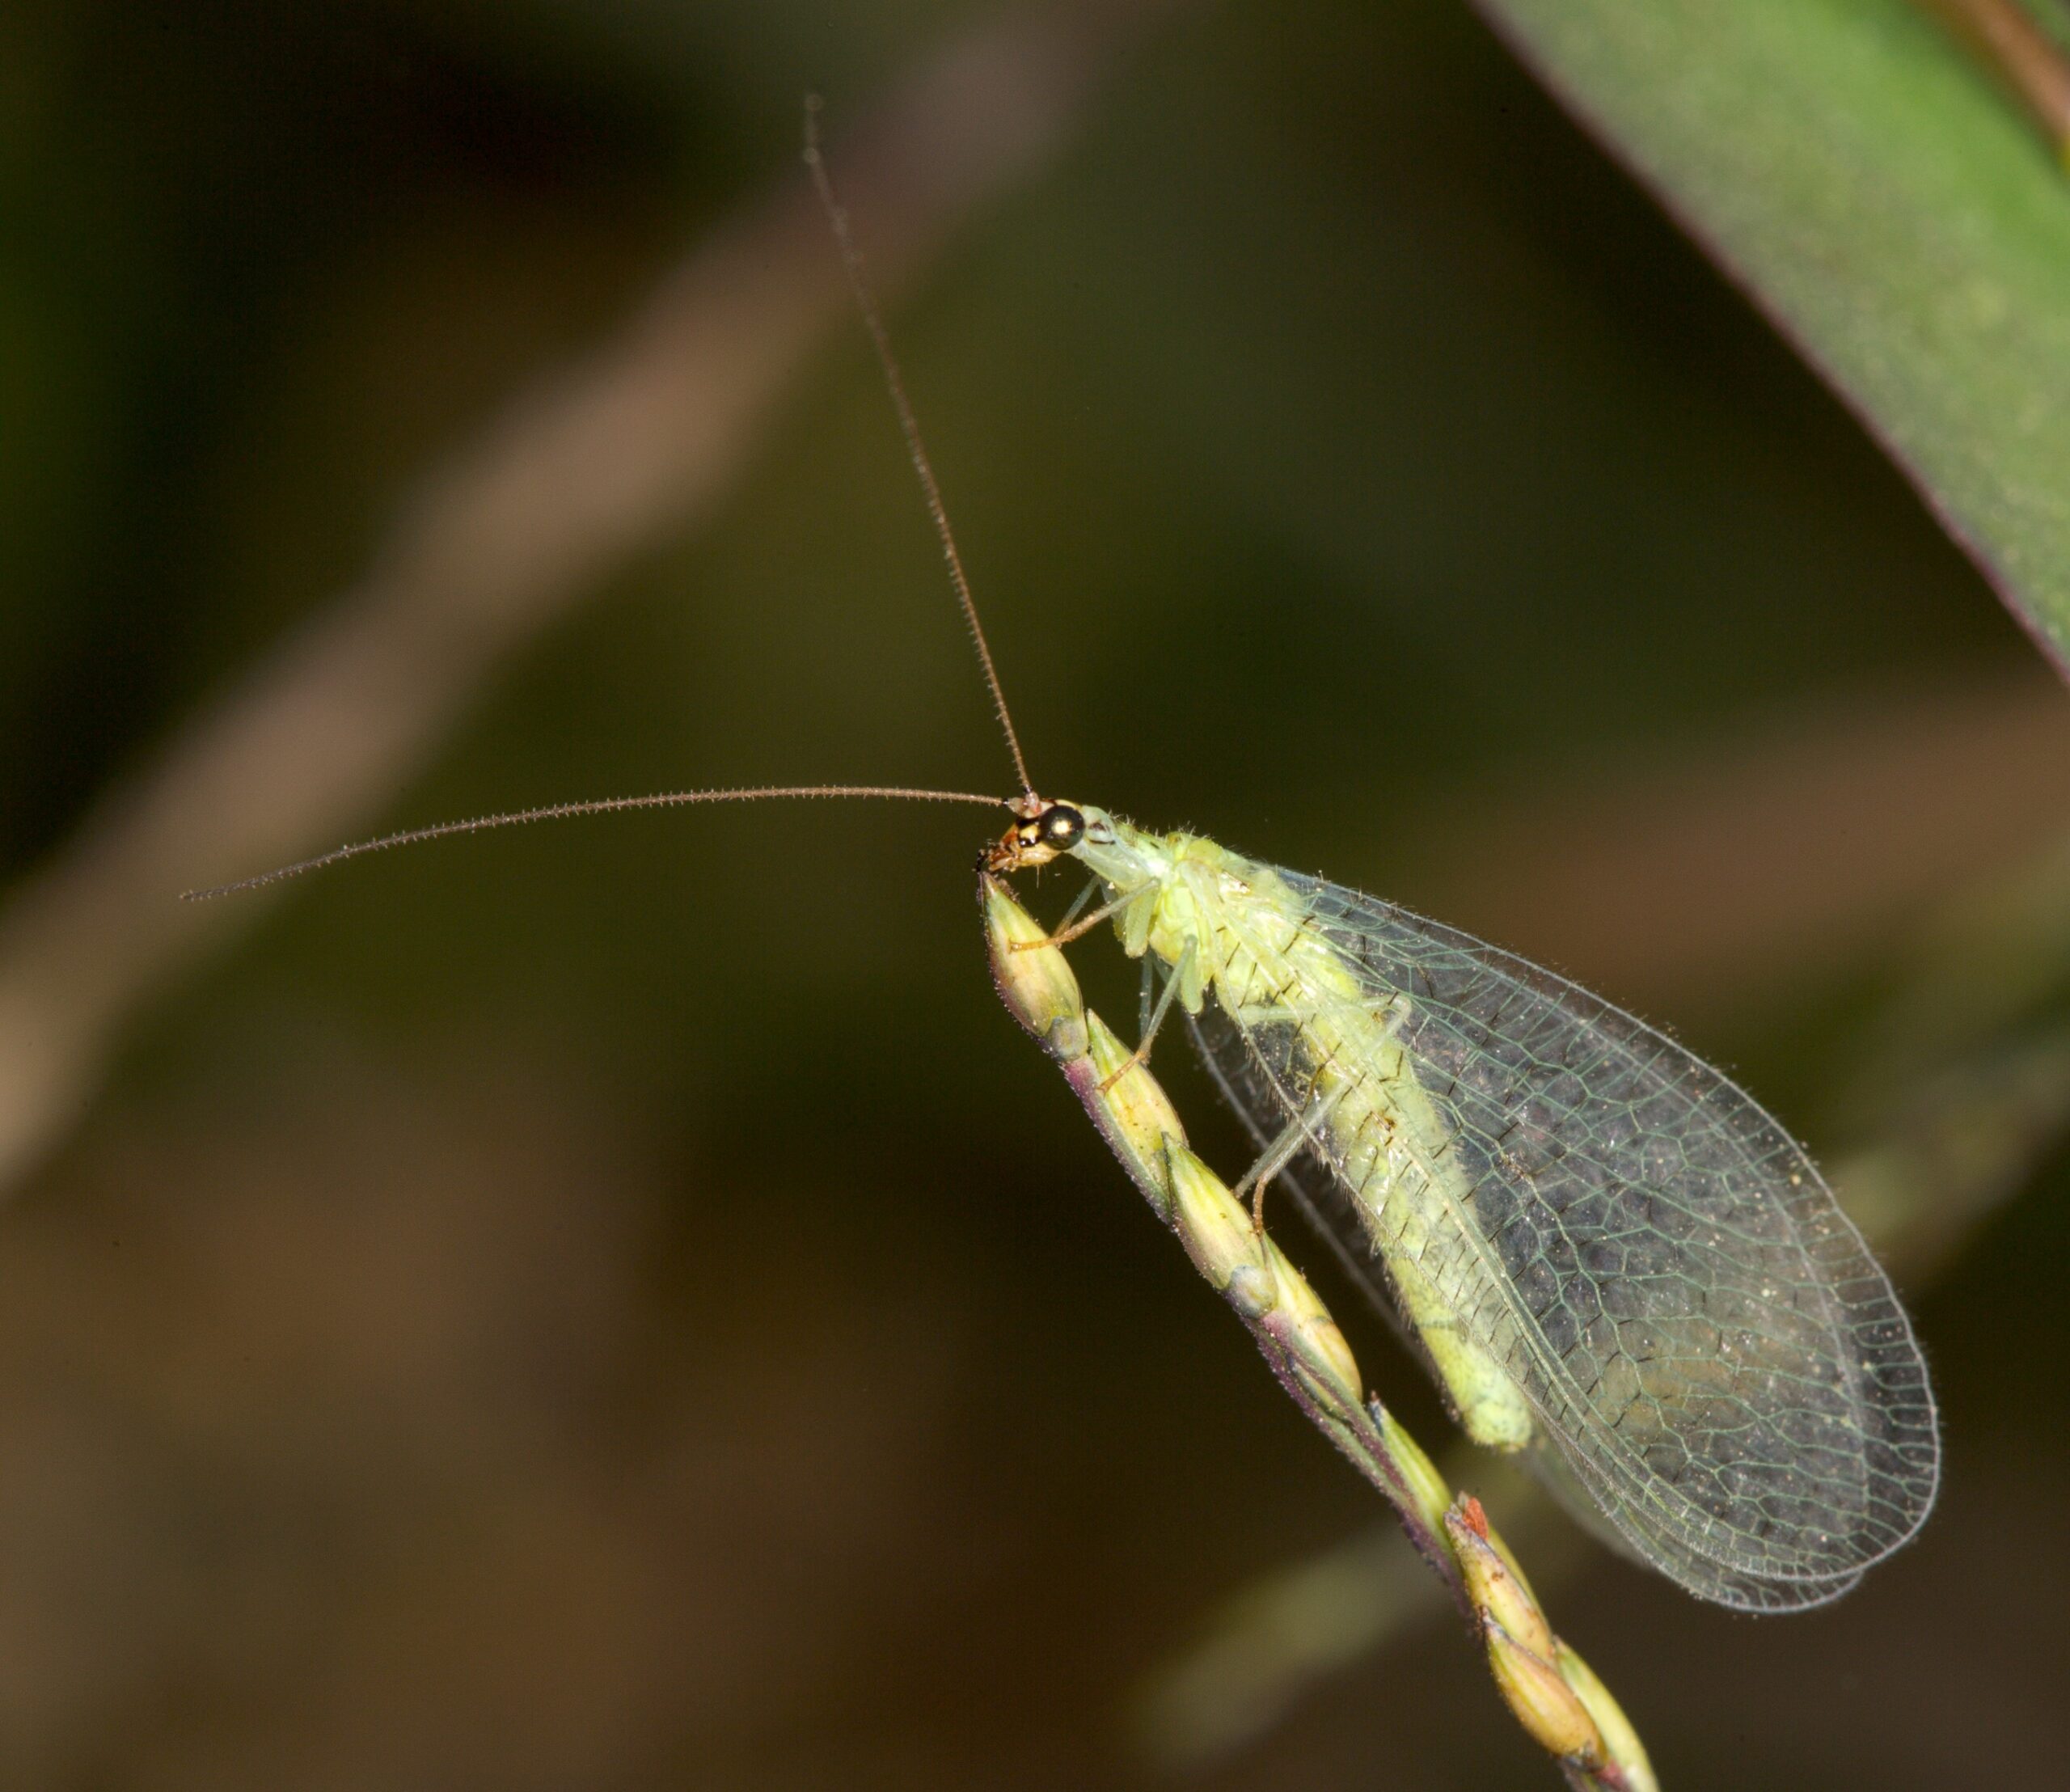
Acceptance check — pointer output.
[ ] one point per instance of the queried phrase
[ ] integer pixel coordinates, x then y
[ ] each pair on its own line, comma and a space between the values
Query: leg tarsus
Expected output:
1073, 930
1276, 1156
1140, 1054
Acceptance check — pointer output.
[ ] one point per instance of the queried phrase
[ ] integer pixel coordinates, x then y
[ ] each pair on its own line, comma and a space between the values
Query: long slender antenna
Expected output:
866, 301
603, 805
851, 259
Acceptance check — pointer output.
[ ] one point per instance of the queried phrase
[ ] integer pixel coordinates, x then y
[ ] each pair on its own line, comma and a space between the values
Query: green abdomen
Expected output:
1322, 1038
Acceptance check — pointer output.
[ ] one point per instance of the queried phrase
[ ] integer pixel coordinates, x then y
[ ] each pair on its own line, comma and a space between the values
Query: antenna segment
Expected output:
866, 301
602, 805
851, 261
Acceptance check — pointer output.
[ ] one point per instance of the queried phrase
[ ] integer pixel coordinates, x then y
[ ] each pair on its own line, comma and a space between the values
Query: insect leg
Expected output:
1078, 902
1064, 935
1299, 1132
1392, 1014
1155, 1019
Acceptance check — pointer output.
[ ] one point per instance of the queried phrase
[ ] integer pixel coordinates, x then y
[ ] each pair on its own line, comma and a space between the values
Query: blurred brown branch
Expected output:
1787, 844
2011, 43
641, 439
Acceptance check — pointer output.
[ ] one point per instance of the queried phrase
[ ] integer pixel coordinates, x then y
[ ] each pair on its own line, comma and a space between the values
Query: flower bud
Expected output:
1319, 1347
1497, 1590
1621, 1741
1216, 1231
1033, 978
1543, 1703
1131, 1105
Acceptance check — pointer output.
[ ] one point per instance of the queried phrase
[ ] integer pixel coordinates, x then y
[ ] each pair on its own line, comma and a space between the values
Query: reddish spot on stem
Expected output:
1471, 1516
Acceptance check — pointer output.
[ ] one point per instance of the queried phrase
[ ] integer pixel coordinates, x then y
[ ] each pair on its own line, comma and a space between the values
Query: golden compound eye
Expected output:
1062, 826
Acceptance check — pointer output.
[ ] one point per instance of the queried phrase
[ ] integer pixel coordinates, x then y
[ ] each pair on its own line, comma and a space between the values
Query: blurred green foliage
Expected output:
1891, 208
619, 1304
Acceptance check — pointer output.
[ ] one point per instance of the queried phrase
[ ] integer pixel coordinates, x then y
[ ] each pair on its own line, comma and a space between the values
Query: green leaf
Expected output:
1894, 213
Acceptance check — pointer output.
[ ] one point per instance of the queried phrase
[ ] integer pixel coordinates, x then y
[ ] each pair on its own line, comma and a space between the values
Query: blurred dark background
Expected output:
617, 1304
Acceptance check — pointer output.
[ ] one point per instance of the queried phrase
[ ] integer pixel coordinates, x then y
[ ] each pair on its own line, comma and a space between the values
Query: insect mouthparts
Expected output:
1043, 829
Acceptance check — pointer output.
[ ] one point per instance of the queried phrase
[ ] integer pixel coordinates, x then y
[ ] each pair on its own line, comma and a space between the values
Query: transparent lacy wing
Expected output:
1720, 1365
1327, 1205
